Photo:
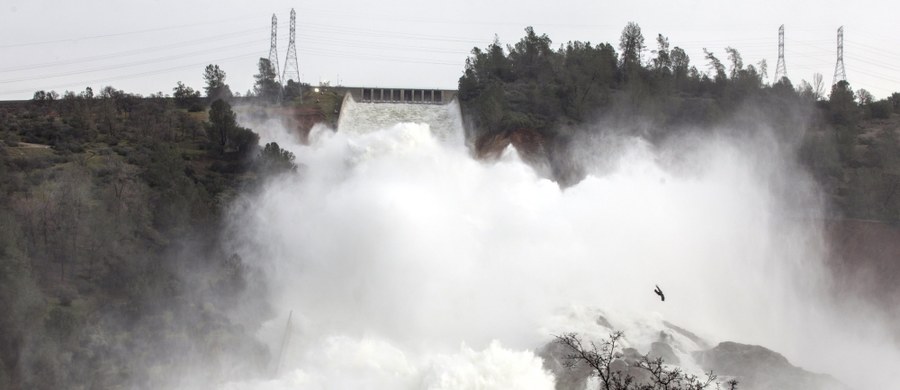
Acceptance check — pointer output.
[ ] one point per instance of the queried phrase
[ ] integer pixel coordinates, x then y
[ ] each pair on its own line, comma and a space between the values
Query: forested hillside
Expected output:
552, 102
113, 272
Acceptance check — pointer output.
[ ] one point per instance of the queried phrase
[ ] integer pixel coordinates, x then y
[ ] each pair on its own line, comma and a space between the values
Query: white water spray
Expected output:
443, 120
408, 264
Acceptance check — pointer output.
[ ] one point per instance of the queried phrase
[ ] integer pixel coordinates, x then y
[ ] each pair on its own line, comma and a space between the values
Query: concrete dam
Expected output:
365, 110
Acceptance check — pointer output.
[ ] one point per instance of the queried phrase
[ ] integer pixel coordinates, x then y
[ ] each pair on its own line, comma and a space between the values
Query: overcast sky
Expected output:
147, 46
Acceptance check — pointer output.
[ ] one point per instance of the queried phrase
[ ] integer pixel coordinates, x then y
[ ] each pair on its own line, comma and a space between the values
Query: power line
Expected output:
331, 42
133, 32
876, 50
127, 53
133, 75
388, 34
339, 54
127, 65
882, 77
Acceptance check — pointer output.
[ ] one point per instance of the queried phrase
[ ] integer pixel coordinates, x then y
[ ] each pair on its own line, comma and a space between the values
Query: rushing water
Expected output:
407, 264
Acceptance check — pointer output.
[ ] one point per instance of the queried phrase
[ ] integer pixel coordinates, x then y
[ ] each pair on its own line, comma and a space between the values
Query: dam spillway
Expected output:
443, 119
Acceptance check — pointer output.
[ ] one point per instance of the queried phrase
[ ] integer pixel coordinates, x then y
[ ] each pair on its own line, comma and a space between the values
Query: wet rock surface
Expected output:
567, 376
662, 350
758, 368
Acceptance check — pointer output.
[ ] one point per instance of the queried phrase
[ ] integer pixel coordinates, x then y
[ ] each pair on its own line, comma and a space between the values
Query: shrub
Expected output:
881, 109
604, 362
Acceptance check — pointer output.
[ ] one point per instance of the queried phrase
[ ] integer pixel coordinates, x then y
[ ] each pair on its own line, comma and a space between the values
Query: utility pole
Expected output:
839, 73
291, 65
780, 69
273, 55
273, 48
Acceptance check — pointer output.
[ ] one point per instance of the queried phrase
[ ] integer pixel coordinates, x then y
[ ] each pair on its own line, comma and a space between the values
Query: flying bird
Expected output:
660, 293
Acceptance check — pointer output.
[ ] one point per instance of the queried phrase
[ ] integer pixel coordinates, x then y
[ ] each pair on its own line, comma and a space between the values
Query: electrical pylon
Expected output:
273, 48
839, 73
291, 66
780, 68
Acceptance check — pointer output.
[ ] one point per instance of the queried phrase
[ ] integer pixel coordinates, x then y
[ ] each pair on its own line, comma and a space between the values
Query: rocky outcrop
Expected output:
575, 377
555, 360
664, 351
690, 335
646, 340
758, 368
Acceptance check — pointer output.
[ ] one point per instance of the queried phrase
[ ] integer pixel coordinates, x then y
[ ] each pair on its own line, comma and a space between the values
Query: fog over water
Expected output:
409, 264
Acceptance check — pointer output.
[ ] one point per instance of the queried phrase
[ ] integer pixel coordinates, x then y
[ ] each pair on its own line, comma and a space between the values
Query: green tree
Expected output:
590, 72
292, 90
681, 62
267, 87
895, 101
275, 159
841, 105
881, 109
864, 97
763, 67
818, 86
215, 83
44, 98
531, 55
186, 97
805, 89
681, 65
737, 63
844, 114
715, 65
784, 87
222, 122
631, 44
244, 142
663, 61
225, 136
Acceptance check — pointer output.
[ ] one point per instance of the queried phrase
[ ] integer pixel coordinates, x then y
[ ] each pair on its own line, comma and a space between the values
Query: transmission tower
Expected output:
273, 48
780, 69
839, 73
291, 67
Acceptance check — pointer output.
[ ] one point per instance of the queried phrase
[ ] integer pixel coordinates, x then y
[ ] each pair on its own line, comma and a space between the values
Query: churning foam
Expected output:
444, 120
408, 264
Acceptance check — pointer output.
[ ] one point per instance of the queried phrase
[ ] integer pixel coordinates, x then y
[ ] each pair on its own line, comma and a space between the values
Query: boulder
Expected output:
758, 368
659, 349
567, 378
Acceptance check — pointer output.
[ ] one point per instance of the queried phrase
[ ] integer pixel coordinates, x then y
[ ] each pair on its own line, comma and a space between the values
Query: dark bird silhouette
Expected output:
660, 293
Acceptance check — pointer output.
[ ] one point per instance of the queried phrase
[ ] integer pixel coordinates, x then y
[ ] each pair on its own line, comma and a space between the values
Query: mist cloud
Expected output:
408, 264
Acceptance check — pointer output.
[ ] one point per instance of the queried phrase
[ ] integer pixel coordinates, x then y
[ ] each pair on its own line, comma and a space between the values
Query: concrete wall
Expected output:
400, 95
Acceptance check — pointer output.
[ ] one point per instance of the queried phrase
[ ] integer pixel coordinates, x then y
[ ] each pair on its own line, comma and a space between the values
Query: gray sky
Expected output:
147, 46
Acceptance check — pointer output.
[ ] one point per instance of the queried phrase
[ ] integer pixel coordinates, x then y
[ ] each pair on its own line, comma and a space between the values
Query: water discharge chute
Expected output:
444, 120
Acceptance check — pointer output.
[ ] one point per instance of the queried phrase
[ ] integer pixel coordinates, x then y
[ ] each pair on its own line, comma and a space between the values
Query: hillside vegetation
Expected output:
113, 273
551, 102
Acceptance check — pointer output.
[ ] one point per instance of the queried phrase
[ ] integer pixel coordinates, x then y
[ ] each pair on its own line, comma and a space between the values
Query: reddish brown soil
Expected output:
528, 142
302, 120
